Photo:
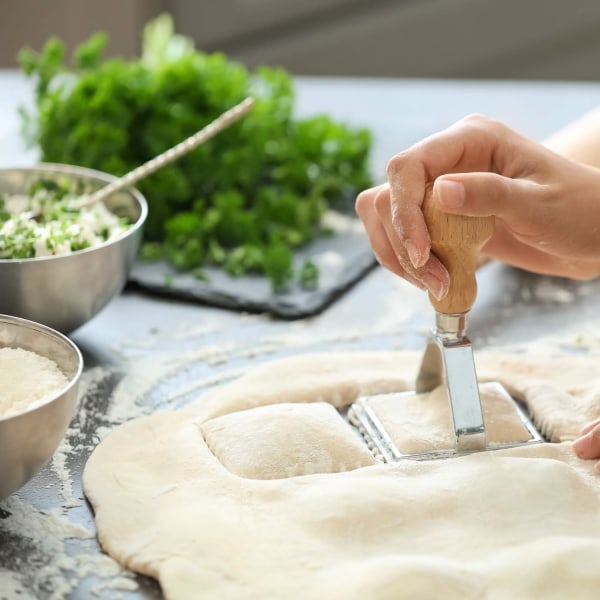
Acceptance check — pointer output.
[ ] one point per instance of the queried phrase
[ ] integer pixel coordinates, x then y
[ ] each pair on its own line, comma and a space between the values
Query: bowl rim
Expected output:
73, 380
75, 170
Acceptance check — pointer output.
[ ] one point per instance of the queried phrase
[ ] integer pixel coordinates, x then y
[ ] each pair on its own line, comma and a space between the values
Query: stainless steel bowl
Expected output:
63, 292
28, 440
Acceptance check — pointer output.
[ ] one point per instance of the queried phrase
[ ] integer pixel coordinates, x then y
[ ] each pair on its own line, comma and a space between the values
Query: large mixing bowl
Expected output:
63, 292
29, 439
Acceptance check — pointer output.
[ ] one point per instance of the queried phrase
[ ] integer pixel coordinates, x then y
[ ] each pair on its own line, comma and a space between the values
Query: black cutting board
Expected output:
343, 259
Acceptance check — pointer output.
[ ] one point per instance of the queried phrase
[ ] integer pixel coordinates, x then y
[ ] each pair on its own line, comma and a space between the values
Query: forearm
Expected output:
580, 140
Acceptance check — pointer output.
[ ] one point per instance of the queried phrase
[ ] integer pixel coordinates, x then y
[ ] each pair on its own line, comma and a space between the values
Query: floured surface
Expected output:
522, 522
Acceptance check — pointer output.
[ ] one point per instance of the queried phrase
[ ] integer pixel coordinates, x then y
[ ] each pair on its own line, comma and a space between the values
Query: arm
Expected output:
545, 197
580, 140
547, 207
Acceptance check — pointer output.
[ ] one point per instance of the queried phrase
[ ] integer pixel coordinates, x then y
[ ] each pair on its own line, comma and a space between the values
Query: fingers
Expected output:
380, 244
540, 226
471, 145
432, 274
589, 427
521, 204
504, 246
588, 445
480, 167
375, 210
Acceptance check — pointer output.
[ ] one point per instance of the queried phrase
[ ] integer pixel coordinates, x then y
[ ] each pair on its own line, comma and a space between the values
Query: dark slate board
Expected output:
343, 259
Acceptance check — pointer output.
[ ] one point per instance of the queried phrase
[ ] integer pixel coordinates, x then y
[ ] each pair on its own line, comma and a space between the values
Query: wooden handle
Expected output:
456, 241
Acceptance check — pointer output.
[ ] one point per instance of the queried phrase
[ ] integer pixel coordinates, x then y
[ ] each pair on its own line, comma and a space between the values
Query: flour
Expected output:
48, 569
58, 466
12, 587
548, 292
48, 532
27, 380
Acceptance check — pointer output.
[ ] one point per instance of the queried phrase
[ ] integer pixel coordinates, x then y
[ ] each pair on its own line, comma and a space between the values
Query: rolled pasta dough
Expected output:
517, 523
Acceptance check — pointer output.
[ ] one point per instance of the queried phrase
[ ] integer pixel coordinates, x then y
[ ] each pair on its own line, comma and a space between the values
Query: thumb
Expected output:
485, 194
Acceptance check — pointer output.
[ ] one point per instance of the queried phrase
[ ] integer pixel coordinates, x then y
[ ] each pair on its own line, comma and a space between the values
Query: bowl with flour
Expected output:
65, 265
39, 376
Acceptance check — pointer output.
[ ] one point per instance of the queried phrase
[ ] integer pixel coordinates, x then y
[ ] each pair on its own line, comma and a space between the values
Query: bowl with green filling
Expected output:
60, 265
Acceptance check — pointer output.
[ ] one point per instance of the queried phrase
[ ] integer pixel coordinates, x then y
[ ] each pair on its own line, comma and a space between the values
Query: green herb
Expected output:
60, 228
4, 214
278, 264
244, 200
200, 275
151, 251
309, 275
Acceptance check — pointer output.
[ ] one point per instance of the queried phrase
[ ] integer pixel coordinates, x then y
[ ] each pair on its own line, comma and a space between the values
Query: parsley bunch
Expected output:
244, 200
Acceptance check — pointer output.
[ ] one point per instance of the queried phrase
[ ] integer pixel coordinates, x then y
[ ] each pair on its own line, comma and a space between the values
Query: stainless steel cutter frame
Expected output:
448, 358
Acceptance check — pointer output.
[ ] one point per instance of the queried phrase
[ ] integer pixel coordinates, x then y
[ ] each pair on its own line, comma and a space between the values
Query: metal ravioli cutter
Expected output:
447, 362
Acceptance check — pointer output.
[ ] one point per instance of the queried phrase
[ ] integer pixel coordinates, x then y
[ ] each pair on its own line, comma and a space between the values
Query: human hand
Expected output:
588, 444
547, 207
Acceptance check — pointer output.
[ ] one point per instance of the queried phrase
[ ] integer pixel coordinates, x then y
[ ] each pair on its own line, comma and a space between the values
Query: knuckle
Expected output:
483, 123
478, 119
381, 201
475, 118
369, 200
395, 164
397, 222
363, 202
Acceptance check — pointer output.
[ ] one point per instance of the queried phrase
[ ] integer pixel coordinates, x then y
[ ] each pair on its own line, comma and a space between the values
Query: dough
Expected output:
516, 523
285, 440
423, 422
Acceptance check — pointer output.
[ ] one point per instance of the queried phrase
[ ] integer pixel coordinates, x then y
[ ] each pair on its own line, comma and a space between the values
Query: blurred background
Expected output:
514, 39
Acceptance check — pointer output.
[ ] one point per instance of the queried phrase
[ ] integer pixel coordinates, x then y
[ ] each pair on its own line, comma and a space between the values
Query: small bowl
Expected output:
29, 439
64, 292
